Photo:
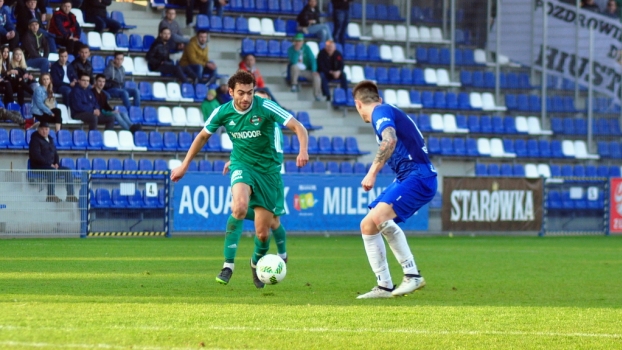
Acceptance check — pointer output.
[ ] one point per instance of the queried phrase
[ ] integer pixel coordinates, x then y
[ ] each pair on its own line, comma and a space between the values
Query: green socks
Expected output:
261, 248
232, 238
279, 237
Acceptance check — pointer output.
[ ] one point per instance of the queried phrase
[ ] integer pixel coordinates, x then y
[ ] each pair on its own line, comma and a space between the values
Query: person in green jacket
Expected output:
302, 63
209, 104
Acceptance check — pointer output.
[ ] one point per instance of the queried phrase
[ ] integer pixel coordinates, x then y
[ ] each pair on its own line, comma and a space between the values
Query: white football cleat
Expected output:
376, 293
410, 283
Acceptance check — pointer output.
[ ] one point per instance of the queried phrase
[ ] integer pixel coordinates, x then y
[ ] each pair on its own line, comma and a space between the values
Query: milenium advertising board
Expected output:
202, 202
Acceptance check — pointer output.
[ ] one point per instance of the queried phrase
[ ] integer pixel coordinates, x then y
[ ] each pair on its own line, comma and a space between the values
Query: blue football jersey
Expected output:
411, 154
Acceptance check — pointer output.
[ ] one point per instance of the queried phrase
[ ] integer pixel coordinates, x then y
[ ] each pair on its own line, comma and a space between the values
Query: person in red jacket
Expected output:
65, 27
249, 64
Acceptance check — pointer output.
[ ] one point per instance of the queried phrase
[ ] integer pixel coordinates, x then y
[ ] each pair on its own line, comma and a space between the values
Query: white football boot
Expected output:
410, 283
376, 293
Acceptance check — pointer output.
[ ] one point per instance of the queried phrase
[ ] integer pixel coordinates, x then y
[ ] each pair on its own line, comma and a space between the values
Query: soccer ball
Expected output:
271, 269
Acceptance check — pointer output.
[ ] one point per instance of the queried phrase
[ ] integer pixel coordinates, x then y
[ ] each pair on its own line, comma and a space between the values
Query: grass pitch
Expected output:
501, 292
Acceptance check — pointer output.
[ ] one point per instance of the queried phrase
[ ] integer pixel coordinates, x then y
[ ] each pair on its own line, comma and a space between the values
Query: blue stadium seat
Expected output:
205, 166
248, 46
291, 27
568, 126
567, 202
520, 148
96, 140
489, 80
523, 81
146, 91
439, 100
533, 151
427, 99
481, 169
349, 52
136, 201
339, 97
614, 150
464, 101
433, 56
567, 170
497, 124
219, 165
117, 200
187, 90
522, 102
511, 102
485, 124
114, 164
324, 145
290, 167
373, 53
98, 64
338, 145
346, 168
477, 79
359, 168
473, 124
382, 75
318, 167
580, 126
136, 43
17, 139
145, 165
274, 48
471, 147
512, 81
509, 125
312, 145
241, 25
557, 125
305, 120
169, 141
285, 44
123, 41
147, 41
102, 198
215, 23
544, 147
351, 146
614, 171
602, 171
361, 52
415, 97
554, 200
518, 170
603, 149
466, 78
459, 147
434, 145
64, 139
418, 77
130, 164
590, 171
272, 6
382, 12
228, 24
261, 48
445, 56
556, 149
156, 142
468, 57
394, 76
307, 169
506, 170
332, 167
184, 140
295, 146
80, 140
424, 124
493, 169
150, 116
405, 76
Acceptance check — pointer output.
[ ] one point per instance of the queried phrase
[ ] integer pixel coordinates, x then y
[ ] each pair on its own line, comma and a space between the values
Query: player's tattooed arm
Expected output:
387, 145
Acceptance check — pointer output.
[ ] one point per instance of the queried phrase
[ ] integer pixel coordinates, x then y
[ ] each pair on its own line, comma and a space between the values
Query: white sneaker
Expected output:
410, 283
376, 293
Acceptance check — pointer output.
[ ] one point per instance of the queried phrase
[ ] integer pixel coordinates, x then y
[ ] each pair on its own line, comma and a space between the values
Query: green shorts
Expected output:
267, 189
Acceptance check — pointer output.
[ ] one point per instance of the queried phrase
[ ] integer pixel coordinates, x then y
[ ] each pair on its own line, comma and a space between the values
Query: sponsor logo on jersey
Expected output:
255, 120
237, 174
380, 121
232, 123
246, 134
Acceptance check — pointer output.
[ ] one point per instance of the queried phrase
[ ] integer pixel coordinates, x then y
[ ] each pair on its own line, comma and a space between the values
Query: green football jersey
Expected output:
255, 133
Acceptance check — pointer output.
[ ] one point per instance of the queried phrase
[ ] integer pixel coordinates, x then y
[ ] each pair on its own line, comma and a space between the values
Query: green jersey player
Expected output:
256, 158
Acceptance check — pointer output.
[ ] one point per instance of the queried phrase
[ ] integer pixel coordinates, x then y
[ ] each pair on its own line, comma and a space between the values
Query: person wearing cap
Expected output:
309, 22
31, 9
36, 48
43, 156
302, 63
209, 104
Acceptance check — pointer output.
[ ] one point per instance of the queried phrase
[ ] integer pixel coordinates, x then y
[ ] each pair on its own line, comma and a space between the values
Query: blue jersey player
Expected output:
402, 147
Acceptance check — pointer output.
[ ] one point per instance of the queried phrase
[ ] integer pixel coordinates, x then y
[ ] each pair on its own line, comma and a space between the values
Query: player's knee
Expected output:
262, 235
368, 227
239, 211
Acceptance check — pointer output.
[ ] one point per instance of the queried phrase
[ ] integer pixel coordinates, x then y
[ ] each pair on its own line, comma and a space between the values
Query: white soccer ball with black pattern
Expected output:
271, 269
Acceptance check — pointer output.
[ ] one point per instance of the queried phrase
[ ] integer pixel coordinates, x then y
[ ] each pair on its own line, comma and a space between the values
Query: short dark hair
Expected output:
164, 28
66, 1
201, 31
83, 46
84, 74
241, 77
62, 50
246, 56
117, 53
99, 76
366, 91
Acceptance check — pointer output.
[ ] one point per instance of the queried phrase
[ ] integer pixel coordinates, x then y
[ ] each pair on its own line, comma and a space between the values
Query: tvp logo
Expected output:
304, 201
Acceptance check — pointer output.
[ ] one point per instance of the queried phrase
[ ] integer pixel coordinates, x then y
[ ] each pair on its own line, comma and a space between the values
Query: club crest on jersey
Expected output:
255, 120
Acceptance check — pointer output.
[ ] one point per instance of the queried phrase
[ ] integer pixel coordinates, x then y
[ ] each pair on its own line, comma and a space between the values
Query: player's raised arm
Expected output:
197, 144
303, 137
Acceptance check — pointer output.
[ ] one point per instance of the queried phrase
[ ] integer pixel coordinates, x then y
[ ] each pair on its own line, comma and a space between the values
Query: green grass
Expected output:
482, 292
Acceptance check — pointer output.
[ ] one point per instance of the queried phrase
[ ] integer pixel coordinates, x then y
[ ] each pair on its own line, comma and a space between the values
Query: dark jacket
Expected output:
80, 68
33, 45
102, 100
327, 63
57, 73
42, 153
65, 25
96, 7
308, 13
341, 4
158, 53
82, 100
5, 21
23, 15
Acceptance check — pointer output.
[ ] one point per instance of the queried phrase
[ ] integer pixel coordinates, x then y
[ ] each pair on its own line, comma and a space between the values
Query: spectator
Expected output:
18, 75
5, 85
82, 64
205, 7
30, 10
7, 29
16, 117
102, 100
195, 58
222, 94
64, 77
248, 64
65, 27
302, 63
158, 58
209, 104
341, 18
95, 12
612, 10
20, 5
84, 107
590, 6
178, 40
35, 45
43, 156
44, 107
115, 82
330, 67
309, 22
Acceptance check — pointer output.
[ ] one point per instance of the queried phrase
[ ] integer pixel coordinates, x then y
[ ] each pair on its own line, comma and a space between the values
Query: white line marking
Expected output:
344, 330
93, 346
